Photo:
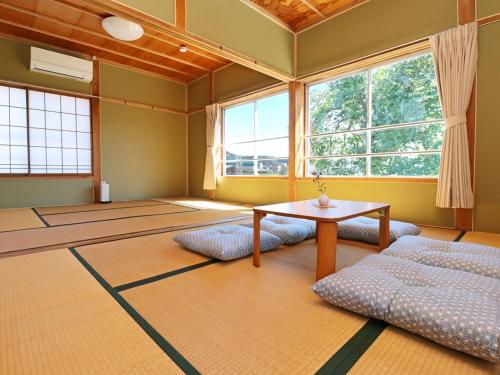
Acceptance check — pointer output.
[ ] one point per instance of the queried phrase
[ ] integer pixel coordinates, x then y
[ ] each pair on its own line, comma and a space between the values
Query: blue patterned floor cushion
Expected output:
310, 225
366, 229
226, 242
457, 309
464, 256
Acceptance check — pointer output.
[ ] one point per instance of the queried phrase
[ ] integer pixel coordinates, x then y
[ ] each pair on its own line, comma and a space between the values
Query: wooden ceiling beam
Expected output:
126, 12
102, 35
313, 7
176, 44
94, 46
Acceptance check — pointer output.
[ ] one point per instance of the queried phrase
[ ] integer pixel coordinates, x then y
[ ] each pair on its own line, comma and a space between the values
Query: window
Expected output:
383, 121
44, 133
256, 137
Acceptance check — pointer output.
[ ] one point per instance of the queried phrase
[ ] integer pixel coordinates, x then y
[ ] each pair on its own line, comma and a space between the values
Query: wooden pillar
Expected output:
464, 217
180, 14
96, 133
295, 132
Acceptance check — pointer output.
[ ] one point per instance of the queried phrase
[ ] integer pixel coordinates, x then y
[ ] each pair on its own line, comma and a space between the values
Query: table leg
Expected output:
327, 249
384, 236
257, 216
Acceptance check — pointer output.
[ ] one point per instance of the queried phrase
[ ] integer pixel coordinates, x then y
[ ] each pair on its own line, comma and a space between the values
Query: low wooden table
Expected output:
326, 226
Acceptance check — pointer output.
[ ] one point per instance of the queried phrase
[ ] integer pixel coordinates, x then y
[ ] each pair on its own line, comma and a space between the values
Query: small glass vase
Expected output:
323, 200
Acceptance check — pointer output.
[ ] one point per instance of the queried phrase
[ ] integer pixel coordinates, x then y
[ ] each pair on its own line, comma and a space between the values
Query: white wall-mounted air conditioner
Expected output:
44, 61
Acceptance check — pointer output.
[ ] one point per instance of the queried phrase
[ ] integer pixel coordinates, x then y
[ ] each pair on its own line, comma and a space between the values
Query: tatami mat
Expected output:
230, 318
443, 234
18, 219
489, 239
399, 352
56, 319
52, 210
113, 214
79, 234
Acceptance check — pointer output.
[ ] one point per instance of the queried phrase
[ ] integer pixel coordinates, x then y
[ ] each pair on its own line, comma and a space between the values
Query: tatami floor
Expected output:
104, 289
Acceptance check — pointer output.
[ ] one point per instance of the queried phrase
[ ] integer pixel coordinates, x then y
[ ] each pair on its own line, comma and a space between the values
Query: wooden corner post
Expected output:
96, 133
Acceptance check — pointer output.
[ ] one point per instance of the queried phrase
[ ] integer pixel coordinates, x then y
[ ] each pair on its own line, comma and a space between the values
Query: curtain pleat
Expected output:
455, 60
213, 146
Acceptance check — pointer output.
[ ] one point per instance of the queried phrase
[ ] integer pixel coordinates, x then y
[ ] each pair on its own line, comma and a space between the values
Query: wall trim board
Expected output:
259, 93
489, 19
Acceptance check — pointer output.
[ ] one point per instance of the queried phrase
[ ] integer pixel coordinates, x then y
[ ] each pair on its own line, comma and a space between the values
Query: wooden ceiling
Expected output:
300, 14
75, 26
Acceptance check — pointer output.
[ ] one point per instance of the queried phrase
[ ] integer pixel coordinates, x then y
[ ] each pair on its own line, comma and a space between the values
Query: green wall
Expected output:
162, 9
19, 192
236, 26
487, 196
236, 80
370, 28
487, 8
15, 66
16, 192
143, 152
251, 190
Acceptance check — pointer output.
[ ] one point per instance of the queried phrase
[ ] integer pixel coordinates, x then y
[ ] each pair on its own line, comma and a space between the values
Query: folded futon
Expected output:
457, 309
463, 256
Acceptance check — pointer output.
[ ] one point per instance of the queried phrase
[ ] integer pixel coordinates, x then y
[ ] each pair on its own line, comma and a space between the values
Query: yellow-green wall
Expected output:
413, 202
372, 27
487, 8
197, 151
143, 152
253, 190
162, 9
236, 26
123, 83
18, 192
487, 186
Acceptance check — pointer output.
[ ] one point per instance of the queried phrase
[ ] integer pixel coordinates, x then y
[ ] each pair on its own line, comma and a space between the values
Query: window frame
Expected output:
30, 175
246, 99
369, 128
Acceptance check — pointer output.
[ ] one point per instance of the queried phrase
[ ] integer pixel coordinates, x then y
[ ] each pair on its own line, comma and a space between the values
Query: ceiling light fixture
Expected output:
183, 48
122, 29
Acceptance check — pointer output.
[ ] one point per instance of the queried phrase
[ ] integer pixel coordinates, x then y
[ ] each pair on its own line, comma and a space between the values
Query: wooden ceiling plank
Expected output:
41, 31
101, 35
149, 33
268, 14
313, 7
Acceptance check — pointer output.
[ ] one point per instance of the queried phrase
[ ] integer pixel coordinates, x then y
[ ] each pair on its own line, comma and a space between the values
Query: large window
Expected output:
383, 121
256, 137
44, 133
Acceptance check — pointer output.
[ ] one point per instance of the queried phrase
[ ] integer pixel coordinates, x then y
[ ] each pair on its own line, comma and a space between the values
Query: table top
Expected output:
307, 210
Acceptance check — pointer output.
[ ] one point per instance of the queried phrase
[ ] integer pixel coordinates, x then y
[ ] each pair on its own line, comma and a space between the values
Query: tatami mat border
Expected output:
160, 203
165, 275
97, 240
345, 358
167, 348
460, 236
124, 217
40, 217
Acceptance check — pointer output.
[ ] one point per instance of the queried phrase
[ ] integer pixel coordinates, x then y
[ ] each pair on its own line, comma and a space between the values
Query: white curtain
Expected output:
455, 58
213, 146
